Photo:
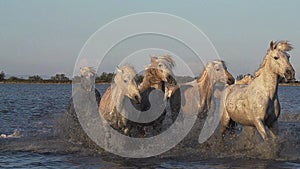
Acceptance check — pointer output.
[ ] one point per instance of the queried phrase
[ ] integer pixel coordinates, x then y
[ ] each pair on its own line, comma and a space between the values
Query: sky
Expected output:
45, 37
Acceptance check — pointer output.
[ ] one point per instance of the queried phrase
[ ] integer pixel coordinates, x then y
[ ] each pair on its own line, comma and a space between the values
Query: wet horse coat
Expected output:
111, 104
198, 93
257, 103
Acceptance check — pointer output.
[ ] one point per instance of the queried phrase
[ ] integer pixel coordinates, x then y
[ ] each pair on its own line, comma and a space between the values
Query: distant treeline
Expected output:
58, 78
62, 78
103, 78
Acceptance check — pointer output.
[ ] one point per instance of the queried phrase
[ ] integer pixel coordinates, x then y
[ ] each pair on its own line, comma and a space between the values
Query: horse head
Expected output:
278, 60
125, 79
163, 66
88, 75
218, 72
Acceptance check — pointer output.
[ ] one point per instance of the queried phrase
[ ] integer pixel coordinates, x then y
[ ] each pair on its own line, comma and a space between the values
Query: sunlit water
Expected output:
35, 109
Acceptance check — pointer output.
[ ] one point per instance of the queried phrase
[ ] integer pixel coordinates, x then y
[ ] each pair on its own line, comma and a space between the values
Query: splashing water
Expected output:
53, 138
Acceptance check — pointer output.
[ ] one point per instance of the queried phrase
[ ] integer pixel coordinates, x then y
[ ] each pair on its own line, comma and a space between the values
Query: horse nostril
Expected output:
136, 97
288, 72
231, 81
171, 80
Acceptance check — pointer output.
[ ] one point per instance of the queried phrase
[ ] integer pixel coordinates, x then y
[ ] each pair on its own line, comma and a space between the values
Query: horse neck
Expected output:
117, 97
145, 84
269, 81
205, 86
150, 81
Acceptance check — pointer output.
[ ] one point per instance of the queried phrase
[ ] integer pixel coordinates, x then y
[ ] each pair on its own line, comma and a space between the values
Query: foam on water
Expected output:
52, 137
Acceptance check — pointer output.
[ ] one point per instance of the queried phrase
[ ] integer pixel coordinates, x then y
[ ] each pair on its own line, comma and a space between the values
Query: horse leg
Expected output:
274, 129
274, 125
261, 128
107, 134
224, 123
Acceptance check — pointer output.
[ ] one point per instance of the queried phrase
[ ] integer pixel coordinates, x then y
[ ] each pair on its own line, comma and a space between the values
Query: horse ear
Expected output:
82, 71
153, 59
146, 67
272, 47
119, 70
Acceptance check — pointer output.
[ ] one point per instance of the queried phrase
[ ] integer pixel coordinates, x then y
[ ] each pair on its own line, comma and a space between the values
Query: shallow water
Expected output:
35, 109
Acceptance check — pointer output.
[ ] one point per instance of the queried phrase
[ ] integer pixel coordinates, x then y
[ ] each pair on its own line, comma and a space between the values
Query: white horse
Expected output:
257, 104
158, 72
214, 72
111, 104
88, 75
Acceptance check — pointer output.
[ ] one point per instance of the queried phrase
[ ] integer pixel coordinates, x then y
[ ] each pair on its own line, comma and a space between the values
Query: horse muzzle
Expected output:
289, 74
137, 99
230, 81
171, 80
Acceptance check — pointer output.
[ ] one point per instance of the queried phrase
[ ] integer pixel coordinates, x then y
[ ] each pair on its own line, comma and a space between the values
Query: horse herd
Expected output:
251, 102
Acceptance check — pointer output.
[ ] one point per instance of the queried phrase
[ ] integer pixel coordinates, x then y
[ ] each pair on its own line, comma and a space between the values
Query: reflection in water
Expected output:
35, 110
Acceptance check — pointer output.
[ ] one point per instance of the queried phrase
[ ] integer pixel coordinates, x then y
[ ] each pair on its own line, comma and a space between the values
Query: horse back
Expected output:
106, 103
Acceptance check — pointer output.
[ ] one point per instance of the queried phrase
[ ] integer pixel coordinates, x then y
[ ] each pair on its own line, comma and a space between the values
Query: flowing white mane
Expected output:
167, 60
85, 70
283, 46
125, 70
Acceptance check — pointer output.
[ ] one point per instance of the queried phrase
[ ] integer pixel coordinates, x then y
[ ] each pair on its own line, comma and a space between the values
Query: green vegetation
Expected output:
2, 76
103, 78
58, 78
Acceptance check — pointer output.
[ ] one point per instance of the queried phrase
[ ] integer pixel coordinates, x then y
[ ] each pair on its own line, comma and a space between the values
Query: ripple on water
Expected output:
34, 109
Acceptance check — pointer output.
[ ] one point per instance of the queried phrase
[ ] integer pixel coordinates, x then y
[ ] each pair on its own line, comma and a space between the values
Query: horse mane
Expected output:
150, 79
88, 75
258, 72
167, 59
86, 69
205, 87
204, 71
283, 46
245, 80
151, 72
203, 76
150, 75
127, 68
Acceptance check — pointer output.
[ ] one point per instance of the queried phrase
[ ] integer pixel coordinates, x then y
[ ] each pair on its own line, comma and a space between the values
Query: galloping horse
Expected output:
257, 104
111, 103
214, 72
88, 75
157, 73
84, 95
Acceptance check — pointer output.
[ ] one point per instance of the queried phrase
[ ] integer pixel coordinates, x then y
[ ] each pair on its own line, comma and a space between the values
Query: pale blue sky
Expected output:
46, 36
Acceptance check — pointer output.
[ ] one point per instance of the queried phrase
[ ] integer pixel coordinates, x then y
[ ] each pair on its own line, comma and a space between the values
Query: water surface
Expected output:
34, 109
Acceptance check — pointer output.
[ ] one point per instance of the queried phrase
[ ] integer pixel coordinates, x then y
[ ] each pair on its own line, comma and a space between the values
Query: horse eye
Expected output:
217, 69
160, 65
276, 57
125, 81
